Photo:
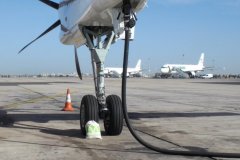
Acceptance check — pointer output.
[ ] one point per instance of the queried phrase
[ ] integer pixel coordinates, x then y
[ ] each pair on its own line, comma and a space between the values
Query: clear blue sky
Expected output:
166, 30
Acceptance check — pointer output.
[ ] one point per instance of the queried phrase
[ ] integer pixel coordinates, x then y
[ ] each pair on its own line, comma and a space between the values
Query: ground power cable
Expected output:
127, 11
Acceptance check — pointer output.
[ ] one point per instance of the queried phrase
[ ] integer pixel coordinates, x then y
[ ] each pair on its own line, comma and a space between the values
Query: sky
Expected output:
167, 31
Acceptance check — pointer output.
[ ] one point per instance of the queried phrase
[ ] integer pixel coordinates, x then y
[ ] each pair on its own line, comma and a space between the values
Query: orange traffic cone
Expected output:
68, 103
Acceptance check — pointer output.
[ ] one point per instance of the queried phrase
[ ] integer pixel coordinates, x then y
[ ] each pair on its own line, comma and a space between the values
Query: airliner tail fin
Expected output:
201, 60
138, 66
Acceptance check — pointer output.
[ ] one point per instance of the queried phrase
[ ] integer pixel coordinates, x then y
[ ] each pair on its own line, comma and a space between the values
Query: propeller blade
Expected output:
57, 23
50, 3
77, 64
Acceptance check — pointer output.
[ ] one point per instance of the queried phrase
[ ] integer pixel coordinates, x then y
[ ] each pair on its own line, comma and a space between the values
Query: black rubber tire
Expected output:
113, 121
88, 111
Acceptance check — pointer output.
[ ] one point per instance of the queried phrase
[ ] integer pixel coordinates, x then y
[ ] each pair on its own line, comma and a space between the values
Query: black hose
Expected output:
137, 137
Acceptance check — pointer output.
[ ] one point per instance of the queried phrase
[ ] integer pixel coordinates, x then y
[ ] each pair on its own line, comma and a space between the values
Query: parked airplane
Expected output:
190, 69
112, 71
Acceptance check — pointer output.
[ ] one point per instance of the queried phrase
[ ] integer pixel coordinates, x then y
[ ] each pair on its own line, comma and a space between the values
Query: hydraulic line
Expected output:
127, 11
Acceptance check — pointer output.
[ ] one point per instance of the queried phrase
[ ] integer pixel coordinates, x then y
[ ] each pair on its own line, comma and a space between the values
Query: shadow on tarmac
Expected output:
224, 83
136, 115
44, 118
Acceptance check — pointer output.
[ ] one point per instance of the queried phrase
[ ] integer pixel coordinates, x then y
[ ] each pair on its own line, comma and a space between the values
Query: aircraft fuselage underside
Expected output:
76, 14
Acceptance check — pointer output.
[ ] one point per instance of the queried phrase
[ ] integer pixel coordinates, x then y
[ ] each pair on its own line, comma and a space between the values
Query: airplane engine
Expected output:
191, 74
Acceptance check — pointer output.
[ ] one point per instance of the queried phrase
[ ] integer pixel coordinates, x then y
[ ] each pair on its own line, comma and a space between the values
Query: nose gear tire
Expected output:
88, 111
113, 121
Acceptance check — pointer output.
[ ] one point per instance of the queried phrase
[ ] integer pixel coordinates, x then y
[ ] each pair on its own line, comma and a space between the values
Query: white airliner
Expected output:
118, 71
190, 69
96, 24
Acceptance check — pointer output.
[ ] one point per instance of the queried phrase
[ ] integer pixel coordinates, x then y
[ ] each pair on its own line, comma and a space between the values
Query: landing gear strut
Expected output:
107, 108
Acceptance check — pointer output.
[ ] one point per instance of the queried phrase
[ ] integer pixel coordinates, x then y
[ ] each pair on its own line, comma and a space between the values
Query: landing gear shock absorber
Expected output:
107, 108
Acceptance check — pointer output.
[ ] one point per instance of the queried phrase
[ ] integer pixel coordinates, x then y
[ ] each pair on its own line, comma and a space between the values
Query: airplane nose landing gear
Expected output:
110, 108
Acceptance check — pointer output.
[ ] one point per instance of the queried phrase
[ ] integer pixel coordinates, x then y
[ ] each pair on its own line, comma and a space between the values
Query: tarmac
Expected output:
177, 114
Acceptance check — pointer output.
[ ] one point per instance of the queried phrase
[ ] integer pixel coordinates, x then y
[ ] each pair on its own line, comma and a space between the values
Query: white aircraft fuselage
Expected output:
75, 14
185, 68
119, 71
190, 69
